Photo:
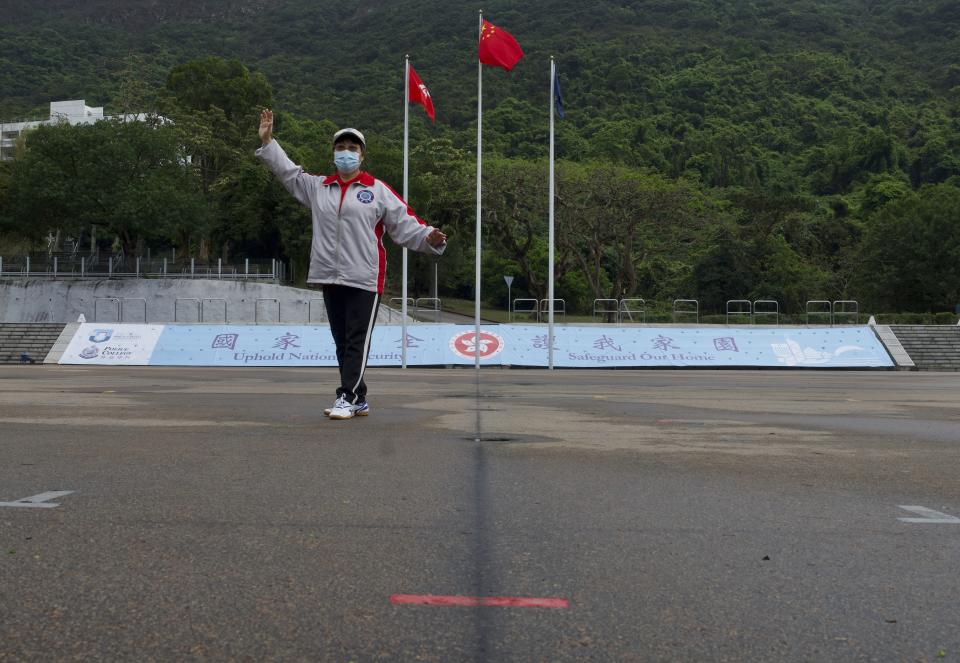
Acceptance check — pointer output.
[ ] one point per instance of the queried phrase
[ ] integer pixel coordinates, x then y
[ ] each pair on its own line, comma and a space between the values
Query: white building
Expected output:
75, 111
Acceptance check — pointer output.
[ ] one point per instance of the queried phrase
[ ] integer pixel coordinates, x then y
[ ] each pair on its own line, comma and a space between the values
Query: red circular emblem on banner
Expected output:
463, 344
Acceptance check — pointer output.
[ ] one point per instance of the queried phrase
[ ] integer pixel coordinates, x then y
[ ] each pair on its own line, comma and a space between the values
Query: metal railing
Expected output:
123, 309
96, 309
529, 307
630, 307
268, 310
686, 307
430, 305
845, 308
211, 300
620, 310
841, 311
821, 308
207, 310
396, 307
257, 307
606, 308
739, 308
559, 307
116, 266
176, 309
766, 308
119, 309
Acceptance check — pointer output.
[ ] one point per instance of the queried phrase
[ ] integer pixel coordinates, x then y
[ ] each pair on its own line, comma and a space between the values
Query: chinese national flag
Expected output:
419, 94
498, 47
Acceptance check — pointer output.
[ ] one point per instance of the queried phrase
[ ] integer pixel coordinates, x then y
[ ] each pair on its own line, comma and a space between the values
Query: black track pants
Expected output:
351, 312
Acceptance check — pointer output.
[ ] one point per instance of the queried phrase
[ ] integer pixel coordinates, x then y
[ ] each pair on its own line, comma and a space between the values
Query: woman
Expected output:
351, 210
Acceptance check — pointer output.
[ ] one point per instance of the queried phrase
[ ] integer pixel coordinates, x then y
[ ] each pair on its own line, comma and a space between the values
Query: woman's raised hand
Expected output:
266, 125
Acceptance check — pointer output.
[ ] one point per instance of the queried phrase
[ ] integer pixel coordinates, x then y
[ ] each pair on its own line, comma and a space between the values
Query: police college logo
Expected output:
90, 352
365, 196
101, 335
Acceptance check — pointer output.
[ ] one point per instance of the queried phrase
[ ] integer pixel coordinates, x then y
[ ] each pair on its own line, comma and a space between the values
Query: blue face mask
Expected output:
346, 161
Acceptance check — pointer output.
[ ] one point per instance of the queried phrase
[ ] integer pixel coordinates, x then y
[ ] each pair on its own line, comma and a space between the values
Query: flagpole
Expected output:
553, 74
476, 305
406, 196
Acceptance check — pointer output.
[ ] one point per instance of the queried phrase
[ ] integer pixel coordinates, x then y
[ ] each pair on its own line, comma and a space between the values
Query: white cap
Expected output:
350, 132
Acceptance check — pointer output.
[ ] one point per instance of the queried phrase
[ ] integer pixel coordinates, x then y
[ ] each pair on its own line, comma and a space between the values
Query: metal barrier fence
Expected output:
620, 310
267, 310
211, 300
143, 309
257, 307
841, 311
430, 305
529, 307
821, 308
96, 309
422, 309
759, 311
686, 307
845, 308
119, 309
606, 308
766, 308
117, 267
396, 307
559, 307
739, 308
214, 310
198, 317
631, 307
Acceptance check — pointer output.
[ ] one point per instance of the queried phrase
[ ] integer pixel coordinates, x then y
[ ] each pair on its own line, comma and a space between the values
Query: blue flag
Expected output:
557, 97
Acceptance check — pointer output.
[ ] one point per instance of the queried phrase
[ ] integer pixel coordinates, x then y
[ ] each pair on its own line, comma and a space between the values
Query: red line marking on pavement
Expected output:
489, 601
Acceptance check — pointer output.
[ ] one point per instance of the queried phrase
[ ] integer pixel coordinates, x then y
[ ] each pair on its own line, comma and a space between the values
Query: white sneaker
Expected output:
345, 410
327, 411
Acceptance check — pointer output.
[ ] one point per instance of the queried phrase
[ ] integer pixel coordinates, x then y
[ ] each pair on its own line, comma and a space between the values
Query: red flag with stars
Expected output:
498, 47
419, 94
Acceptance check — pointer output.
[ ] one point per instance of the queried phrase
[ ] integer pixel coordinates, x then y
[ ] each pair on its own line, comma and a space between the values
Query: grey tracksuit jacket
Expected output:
348, 225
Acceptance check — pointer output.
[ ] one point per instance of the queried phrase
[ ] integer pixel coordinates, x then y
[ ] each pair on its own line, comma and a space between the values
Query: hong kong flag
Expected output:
498, 47
419, 94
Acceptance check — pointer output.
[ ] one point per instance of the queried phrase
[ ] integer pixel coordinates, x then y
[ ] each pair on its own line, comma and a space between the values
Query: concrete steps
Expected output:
931, 347
33, 339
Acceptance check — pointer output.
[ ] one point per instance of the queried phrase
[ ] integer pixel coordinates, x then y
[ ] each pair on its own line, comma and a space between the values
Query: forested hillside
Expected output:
715, 150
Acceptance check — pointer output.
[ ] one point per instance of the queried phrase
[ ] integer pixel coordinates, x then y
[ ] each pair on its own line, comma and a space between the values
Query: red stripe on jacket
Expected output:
381, 257
366, 179
409, 209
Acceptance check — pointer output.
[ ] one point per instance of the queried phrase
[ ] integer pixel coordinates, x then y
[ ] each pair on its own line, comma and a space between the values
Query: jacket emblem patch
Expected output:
365, 196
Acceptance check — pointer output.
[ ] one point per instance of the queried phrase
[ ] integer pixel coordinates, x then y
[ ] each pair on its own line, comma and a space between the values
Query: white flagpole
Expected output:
476, 305
553, 73
406, 197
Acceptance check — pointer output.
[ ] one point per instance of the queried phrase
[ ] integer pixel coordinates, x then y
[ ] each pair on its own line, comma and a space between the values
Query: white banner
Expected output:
595, 346
130, 345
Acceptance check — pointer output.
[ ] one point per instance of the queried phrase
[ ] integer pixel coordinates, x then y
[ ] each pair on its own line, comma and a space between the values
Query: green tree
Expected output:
615, 223
128, 178
215, 103
910, 256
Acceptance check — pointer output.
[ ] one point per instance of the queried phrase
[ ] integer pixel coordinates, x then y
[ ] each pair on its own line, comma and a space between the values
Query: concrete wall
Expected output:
163, 300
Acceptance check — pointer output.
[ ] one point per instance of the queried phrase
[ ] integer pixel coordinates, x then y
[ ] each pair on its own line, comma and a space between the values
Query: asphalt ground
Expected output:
216, 515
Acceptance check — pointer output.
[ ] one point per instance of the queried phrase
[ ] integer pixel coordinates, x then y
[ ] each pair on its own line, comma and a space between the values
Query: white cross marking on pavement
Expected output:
40, 501
929, 516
